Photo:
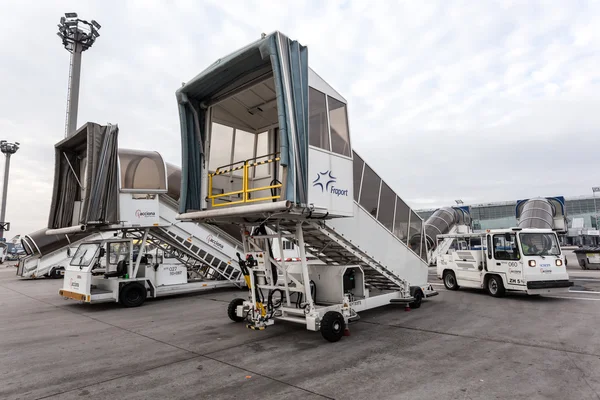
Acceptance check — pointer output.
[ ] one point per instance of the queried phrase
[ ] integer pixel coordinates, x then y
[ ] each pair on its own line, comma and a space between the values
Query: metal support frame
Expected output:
309, 313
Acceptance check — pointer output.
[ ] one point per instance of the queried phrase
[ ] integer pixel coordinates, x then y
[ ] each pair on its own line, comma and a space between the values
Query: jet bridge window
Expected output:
338, 121
387, 201
505, 247
369, 192
318, 129
401, 220
357, 166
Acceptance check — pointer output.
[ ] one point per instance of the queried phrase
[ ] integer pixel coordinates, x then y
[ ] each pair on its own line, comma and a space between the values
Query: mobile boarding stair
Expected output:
126, 193
306, 187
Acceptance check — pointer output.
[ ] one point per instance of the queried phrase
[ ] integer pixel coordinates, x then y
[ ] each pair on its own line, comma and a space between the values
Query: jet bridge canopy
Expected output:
96, 184
277, 67
260, 126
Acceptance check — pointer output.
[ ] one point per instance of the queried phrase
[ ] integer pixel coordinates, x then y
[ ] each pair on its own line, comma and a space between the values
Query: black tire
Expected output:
133, 294
55, 273
450, 280
231, 310
418, 295
494, 286
332, 326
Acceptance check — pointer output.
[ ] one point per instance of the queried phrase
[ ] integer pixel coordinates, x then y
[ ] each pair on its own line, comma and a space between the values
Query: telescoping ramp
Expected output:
47, 255
266, 148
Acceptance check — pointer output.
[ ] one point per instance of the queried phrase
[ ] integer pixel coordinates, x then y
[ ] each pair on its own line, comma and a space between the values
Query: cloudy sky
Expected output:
473, 100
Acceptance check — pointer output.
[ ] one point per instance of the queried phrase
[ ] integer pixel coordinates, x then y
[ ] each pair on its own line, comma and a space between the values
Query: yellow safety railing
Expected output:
246, 191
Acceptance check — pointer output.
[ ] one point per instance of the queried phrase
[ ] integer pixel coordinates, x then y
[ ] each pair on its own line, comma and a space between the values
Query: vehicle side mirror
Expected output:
507, 237
69, 252
102, 252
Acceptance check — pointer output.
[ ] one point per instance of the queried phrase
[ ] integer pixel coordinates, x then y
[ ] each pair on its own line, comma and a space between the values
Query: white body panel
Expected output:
330, 182
138, 212
381, 244
170, 274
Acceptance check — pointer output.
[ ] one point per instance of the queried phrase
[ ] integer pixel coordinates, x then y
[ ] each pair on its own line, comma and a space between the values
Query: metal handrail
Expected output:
245, 191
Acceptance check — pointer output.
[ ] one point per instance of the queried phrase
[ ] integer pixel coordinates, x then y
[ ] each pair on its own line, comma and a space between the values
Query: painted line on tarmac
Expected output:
556, 297
583, 291
573, 298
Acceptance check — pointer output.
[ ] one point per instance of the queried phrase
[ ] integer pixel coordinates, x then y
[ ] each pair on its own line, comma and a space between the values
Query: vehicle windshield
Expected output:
539, 244
84, 254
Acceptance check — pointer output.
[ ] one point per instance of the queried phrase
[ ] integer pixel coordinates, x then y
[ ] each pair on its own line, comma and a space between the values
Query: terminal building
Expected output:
580, 211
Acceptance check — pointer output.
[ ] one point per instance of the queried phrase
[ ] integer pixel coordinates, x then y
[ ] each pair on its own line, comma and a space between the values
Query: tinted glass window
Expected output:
505, 248
220, 146
387, 201
369, 193
244, 148
401, 220
318, 132
416, 227
357, 174
338, 121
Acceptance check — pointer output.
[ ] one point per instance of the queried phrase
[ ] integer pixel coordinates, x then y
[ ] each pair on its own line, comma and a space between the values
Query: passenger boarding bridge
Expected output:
266, 147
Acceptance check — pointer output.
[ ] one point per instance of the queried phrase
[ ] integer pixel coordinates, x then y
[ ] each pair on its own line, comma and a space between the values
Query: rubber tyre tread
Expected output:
501, 290
455, 287
328, 322
231, 310
418, 295
129, 288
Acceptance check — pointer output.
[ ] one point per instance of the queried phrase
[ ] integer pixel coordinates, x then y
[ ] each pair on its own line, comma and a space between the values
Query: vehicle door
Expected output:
507, 258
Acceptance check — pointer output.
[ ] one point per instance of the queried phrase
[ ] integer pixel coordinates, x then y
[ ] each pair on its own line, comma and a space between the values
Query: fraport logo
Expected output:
325, 180
144, 214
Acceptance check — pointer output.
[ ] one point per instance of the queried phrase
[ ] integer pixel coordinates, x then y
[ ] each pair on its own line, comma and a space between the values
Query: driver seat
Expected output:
120, 271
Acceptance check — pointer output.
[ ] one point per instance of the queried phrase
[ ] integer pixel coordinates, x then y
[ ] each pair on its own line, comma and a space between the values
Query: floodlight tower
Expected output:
77, 36
8, 149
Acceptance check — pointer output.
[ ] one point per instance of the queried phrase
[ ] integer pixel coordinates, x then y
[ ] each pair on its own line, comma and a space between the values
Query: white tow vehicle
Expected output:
520, 260
111, 271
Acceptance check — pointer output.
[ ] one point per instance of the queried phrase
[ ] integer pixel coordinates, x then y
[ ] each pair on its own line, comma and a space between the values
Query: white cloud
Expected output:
450, 99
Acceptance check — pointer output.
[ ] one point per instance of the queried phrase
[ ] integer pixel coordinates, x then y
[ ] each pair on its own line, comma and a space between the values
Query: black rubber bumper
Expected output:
549, 284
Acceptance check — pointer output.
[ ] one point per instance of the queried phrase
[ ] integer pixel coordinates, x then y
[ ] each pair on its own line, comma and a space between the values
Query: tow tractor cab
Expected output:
120, 269
524, 260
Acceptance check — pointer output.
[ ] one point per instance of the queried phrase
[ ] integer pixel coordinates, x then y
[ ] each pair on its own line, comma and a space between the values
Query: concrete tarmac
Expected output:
458, 345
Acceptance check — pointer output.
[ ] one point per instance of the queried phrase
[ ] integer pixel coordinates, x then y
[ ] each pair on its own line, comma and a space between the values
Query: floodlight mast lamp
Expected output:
8, 149
77, 36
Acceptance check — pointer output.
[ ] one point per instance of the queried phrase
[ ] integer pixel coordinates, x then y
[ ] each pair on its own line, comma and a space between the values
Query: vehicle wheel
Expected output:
231, 310
132, 294
450, 281
495, 286
418, 295
332, 326
55, 273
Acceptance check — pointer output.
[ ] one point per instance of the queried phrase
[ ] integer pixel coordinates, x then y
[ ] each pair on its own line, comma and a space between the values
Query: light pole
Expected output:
594, 190
8, 149
77, 36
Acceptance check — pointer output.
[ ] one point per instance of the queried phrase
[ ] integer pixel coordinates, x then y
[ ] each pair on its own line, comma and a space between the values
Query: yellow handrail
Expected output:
245, 192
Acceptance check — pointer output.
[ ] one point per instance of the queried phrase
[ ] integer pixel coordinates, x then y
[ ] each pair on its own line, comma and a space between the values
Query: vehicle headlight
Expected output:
559, 262
532, 263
